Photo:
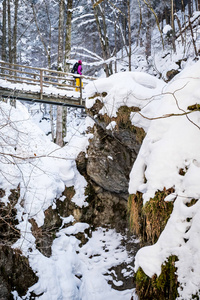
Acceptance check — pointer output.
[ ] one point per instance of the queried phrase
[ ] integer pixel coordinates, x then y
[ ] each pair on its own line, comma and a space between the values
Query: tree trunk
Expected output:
115, 52
190, 8
167, 14
198, 5
172, 25
47, 48
64, 122
103, 37
59, 122
68, 36
3, 55
129, 34
67, 57
59, 138
9, 33
148, 35
51, 121
193, 40
49, 45
61, 36
15, 33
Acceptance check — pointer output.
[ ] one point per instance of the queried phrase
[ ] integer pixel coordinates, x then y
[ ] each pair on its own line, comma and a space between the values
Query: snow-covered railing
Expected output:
59, 82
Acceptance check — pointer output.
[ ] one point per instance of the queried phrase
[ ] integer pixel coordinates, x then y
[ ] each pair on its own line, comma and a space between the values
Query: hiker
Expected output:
77, 69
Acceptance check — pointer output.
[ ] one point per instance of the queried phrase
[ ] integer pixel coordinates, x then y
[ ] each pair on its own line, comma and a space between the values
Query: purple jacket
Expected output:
79, 70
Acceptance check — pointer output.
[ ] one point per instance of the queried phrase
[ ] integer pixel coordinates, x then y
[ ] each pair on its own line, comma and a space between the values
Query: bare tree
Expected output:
68, 35
67, 56
46, 44
4, 31
172, 25
59, 123
99, 14
9, 33
61, 36
150, 7
15, 32
129, 34
148, 34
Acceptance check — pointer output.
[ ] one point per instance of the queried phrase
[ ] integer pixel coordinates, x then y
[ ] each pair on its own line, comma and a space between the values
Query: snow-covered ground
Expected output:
42, 169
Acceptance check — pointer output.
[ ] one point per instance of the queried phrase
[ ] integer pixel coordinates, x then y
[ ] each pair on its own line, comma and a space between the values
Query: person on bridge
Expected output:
78, 80
79, 70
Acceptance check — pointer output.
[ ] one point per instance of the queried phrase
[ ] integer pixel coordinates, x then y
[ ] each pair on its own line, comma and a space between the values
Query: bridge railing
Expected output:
44, 78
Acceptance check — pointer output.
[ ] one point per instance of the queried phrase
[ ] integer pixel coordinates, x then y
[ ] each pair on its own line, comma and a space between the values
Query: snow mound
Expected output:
128, 88
170, 158
29, 159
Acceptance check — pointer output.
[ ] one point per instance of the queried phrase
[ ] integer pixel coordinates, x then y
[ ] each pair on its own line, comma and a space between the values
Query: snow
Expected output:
171, 144
42, 170
125, 88
167, 29
97, 289
30, 160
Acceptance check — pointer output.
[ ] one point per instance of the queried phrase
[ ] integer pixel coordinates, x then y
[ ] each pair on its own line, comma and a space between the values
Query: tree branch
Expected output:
97, 3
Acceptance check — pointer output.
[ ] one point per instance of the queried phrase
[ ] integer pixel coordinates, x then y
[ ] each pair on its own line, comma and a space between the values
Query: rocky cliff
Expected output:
107, 164
15, 272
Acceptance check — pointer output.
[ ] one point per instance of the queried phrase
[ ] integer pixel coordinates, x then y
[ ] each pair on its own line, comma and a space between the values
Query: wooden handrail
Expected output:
48, 70
18, 71
19, 77
44, 77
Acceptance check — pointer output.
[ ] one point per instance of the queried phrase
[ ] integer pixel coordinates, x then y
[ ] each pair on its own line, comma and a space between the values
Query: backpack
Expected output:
75, 68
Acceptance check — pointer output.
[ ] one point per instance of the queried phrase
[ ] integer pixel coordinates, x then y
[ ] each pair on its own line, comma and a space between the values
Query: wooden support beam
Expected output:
81, 93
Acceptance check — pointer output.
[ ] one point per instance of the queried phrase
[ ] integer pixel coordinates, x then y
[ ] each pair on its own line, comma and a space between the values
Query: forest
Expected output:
106, 35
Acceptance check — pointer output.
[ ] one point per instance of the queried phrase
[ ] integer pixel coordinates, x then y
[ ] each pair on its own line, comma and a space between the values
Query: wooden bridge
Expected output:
41, 85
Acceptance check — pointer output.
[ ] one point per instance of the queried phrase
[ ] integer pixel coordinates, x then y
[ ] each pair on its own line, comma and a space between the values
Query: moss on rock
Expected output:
148, 221
162, 287
157, 212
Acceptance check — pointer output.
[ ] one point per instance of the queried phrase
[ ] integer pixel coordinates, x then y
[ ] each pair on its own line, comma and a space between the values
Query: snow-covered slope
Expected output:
169, 158
172, 144
42, 170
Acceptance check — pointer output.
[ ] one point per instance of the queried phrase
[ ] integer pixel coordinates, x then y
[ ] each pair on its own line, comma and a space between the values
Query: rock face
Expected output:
106, 166
109, 162
15, 272
148, 222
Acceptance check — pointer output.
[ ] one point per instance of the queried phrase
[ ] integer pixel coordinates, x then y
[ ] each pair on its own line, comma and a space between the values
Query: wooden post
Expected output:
81, 95
41, 84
